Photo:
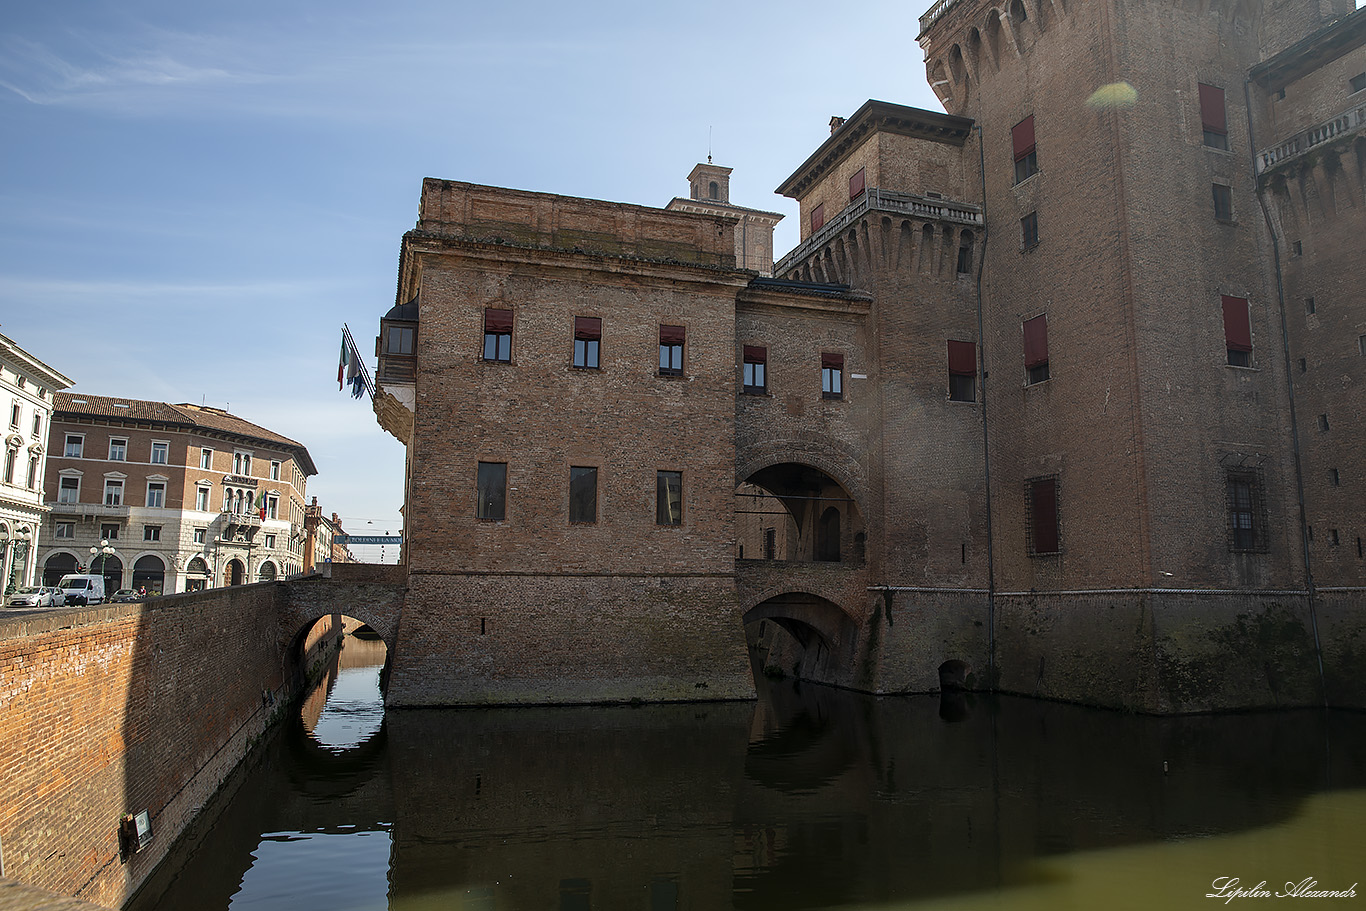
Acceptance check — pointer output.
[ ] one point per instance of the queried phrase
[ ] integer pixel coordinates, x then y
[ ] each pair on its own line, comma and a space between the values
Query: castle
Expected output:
1060, 392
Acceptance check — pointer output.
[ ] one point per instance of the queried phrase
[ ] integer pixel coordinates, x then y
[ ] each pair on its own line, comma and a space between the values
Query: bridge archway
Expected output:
798, 512
801, 635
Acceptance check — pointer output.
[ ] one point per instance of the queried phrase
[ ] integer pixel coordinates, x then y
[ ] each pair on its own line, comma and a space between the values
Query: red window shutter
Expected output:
832, 359
817, 218
1237, 324
672, 335
1036, 341
1022, 136
755, 354
588, 328
1043, 496
497, 320
856, 183
963, 358
1213, 116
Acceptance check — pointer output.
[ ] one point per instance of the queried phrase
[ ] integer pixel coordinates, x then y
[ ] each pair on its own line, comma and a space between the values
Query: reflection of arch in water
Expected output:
797, 512
802, 635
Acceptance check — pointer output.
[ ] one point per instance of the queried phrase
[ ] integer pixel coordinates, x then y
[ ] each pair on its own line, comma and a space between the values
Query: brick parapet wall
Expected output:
124, 708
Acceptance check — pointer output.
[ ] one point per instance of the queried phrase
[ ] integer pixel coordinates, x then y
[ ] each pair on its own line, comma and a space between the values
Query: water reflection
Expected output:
809, 798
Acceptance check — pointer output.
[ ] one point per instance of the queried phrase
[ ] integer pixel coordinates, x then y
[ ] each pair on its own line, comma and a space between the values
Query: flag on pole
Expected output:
341, 364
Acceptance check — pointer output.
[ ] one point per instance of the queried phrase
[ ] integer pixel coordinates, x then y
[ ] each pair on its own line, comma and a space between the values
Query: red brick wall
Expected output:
124, 708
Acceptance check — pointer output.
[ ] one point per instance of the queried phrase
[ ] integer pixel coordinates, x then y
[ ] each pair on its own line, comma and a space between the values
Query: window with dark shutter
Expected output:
671, 341
1042, 494
497, 335
832, 375
587, 340
1223, 202
962, 371
856, 183
756, 369
1029, 230
491, 491
1213, 116
1036, 350
817, 218
1026, 158
1237, 331
583, 494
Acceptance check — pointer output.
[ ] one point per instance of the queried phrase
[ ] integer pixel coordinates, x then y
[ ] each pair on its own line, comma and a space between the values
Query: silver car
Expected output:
33, 596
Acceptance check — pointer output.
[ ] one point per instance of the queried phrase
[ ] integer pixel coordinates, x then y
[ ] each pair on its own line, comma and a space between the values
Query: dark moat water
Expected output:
809, 798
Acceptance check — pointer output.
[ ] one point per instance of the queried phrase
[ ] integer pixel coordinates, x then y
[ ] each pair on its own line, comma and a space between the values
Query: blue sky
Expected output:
194, 197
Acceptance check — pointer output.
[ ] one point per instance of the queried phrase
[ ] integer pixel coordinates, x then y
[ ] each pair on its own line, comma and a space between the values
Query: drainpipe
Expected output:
986, 448
1290, 393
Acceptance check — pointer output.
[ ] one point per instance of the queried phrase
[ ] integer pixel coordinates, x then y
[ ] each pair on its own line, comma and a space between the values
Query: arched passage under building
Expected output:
798, 634
799, 513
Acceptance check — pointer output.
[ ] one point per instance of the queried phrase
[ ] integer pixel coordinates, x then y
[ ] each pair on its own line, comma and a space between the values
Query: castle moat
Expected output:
808, 798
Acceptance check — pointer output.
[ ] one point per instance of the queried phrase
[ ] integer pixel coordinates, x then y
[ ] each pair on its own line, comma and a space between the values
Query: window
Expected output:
151, 532
1041, 495
1334, 477
113, 493
75, 443
1304, 365
1213, 119
109, 532
201, 499
11, 456
491, 502
118, 449
399, 340
1323, 423
1333, 537
817, 218
1361, 345
1036, 350
1026, 158
37, 425
274, 470
713, 190
160, 451
1223, 202
755, 377
497, 335
272, 507
1309, 305
200, 534
587, 341
1356, 83
156, 494
206, 459
856, 183
64, 530
962, 371
965, 253
832, 375
69, 490
270, 542
668, 498
241, 464
14, 415
1029, 230
1246, 525
671, 340
32, 483
1237, 332
583, 494
1297, 248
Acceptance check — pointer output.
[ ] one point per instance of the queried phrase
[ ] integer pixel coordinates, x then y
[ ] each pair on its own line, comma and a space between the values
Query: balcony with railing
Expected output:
907, 205
90, 510
1351, 121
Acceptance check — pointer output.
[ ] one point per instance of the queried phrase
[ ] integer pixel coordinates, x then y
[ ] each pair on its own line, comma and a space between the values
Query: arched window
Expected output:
714, 190
267, 572
150, 573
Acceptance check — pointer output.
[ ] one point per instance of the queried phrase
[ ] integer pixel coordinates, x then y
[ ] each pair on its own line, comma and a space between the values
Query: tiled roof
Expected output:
184, 416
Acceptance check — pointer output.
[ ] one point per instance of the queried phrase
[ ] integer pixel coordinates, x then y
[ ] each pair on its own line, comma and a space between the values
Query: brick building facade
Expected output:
189, 496
1039, 402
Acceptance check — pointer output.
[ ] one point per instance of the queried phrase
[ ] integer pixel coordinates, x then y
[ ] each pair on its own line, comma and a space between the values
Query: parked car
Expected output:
34, 596
126, 594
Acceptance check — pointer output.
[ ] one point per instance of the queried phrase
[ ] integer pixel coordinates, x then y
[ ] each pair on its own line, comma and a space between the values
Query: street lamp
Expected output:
104, 550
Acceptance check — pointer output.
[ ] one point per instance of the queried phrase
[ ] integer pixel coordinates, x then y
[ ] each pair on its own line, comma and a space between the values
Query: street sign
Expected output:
367, 539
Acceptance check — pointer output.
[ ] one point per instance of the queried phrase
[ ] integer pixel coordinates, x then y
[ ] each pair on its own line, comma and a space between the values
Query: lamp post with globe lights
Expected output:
105, 549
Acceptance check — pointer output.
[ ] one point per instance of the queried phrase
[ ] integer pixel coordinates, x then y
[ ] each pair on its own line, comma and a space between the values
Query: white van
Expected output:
82, 589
